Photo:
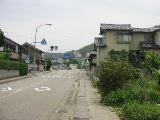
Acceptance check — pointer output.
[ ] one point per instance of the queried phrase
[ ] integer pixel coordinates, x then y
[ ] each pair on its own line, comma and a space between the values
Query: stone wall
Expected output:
8, 73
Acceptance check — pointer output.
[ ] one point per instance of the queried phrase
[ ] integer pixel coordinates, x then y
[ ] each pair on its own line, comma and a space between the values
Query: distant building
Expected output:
31, 51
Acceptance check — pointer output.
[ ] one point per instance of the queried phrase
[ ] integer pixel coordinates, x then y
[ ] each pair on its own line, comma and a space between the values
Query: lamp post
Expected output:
35, 43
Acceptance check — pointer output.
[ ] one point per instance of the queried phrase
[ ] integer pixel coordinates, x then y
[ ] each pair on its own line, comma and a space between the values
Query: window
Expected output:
124, 37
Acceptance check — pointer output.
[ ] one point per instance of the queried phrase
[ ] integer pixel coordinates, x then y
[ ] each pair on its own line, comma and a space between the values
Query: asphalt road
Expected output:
48, 96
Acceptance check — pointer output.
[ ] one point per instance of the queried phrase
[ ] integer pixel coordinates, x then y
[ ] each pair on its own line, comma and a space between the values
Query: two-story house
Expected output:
124, 36
16, 50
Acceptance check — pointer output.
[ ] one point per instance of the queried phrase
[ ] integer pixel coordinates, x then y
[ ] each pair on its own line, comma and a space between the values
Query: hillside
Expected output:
86, 49
83, 50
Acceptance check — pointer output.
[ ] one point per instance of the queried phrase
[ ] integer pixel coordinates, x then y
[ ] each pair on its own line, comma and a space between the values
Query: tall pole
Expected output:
35, 44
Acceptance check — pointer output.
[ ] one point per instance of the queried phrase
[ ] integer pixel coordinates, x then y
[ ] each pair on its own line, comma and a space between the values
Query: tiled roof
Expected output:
144, 30
157, 26
116, 27
127, 27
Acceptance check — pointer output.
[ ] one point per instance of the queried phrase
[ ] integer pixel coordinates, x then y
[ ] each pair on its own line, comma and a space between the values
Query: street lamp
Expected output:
36, 42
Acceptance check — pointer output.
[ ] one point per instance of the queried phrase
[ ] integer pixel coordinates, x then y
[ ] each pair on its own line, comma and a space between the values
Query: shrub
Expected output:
13, 65
137, 111
23, 69
9, 65
120, 97
154, 96
48, 64
95, 82
113, 74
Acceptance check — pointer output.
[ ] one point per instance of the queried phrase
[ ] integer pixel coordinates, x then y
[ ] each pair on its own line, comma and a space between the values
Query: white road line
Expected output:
22, 89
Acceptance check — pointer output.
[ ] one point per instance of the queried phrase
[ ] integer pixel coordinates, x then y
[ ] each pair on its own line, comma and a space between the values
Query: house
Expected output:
124, 36
31, 51
16, 50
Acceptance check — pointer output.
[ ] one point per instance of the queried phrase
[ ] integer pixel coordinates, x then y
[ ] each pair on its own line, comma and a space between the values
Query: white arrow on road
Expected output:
7, 89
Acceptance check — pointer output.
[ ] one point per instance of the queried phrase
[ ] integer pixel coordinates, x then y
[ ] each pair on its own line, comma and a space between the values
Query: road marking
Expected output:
52, 76
41, 89
7, 89
21, 90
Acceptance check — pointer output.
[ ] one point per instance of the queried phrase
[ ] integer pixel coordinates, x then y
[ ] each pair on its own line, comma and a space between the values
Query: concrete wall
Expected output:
111, 40
135, 41
157, 38
8, 73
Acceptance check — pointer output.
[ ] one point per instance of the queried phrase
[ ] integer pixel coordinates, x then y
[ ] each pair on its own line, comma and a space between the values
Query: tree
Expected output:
48, 64
1, 38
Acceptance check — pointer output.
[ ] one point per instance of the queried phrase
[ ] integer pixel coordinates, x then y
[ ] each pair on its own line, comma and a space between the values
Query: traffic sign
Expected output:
43, 42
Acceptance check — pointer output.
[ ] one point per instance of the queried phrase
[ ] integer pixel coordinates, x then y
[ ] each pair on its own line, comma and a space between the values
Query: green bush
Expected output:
78, 66
120, 97
9, 65
133, 91
113, 74
95, 82
48, 63
23, 69
137, 111
13, 65
154, 96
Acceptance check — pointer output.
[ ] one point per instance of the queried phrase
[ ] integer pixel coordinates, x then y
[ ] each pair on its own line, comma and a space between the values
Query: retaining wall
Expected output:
8, 73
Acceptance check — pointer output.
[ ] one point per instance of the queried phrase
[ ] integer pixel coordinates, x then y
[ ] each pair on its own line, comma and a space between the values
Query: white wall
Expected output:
1, 48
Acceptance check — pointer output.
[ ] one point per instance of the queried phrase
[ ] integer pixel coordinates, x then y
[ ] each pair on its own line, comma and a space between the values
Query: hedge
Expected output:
14, 65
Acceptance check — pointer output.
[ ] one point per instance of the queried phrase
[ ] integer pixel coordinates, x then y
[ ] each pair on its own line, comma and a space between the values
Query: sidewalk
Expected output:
88, 103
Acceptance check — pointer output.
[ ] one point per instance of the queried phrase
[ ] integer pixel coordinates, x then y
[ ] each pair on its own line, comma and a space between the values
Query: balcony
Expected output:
14, 55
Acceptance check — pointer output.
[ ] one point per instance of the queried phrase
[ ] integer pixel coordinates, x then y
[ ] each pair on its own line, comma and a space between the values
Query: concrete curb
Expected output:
81, 109
13, 79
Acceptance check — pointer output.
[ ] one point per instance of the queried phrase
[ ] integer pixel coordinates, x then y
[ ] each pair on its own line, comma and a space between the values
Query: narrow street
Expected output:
57, 95
42, 97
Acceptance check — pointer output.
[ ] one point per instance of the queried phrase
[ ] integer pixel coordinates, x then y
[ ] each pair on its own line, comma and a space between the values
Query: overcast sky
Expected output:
75, 23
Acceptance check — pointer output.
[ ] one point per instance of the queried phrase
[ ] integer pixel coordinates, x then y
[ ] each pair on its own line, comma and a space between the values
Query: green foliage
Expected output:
113, 74
137, 111
9, 65
86, 49
2, 37
13, 65
74, 61
136, 58
118, 55
133, 91
152, 60
48, 63
5, 55
23, 69
95, 82
79, 66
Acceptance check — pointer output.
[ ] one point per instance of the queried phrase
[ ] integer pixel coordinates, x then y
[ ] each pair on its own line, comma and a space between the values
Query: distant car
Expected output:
55, 67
